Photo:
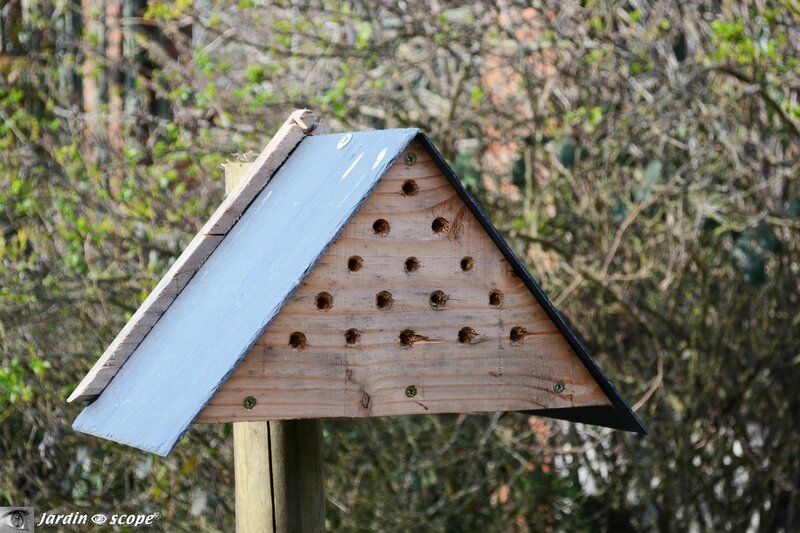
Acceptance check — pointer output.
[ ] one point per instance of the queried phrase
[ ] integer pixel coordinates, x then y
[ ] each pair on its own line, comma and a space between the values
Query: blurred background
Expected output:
642, 157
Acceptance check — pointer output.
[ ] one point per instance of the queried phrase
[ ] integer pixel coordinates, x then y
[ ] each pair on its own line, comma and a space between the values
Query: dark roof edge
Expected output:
619, 414
598, 415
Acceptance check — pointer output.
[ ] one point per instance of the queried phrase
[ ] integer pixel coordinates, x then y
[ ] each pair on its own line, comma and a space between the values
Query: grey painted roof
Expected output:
228, 304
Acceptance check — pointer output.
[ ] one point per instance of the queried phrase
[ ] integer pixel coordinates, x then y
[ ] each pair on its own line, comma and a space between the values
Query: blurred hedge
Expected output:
643, 157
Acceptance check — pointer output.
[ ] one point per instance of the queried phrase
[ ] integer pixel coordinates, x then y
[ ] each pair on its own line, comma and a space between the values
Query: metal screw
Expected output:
559, 387
411, 391
411, 158
344, 140
249, 402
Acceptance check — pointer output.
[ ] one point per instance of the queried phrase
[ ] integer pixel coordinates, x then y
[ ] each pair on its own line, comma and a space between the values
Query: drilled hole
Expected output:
407, 337
438, 299
466, 335
440, 226
384, 300
410, 188
355, 263
467, 263
412, 264
517, 334
297, 340
352, 336
324, 301
381, 227
495, 298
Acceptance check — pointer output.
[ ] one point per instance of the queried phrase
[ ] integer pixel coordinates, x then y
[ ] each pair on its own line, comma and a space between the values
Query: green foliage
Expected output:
734, 43
752, 249
566, 151
12, 384
467, 170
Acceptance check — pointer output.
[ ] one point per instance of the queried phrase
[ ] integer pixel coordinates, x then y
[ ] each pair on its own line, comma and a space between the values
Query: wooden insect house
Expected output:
348, 275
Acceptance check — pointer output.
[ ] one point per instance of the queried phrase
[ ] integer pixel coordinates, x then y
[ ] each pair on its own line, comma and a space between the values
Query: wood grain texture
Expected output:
193, 348
299, 124
279, 476
329, 377
297, 475
253, 474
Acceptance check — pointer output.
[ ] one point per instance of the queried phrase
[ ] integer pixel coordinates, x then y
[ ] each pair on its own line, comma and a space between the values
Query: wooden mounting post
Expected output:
277, 464
253, 477
297, 482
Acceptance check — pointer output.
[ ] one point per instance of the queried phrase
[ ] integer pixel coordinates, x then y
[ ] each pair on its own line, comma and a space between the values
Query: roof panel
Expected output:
227, 305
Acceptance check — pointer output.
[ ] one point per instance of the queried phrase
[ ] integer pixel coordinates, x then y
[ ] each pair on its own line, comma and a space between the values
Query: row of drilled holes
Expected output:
411, 264
439, 226
466, 335
384, 300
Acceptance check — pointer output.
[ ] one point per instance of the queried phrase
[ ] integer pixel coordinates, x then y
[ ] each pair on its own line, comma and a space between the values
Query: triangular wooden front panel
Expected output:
483, 343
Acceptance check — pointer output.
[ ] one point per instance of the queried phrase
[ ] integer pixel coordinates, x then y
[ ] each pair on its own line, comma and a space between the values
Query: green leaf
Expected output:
653, 171
38, 366
750, 263
256, 73
766, 239
476, 95
793, 207
565, 151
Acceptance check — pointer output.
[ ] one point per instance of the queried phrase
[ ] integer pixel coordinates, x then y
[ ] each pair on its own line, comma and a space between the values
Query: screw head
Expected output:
559, 387
411, 391
344, 140
411, 158
249, 402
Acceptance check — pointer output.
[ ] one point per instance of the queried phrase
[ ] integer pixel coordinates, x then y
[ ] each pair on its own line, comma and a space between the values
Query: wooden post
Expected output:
297, 481
253, 477
277, 464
